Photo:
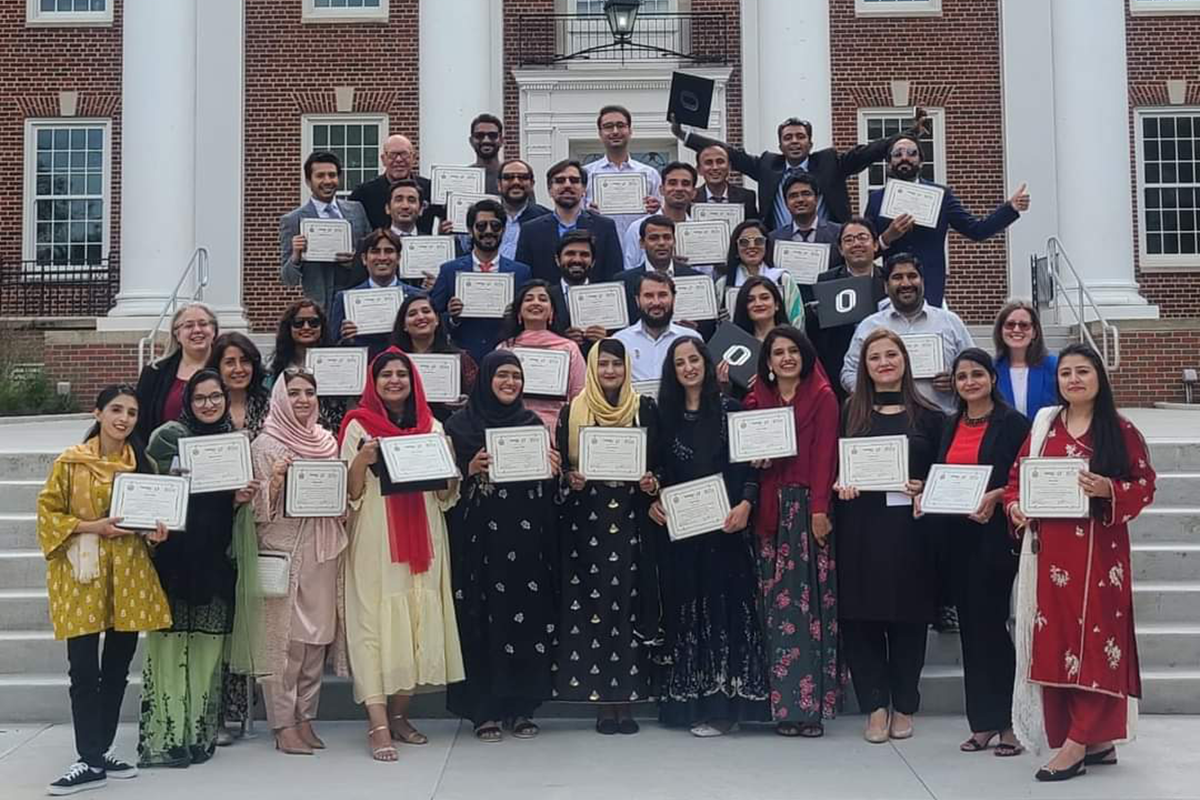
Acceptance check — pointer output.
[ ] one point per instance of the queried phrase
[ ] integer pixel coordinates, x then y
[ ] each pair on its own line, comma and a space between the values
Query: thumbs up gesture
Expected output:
1020, 199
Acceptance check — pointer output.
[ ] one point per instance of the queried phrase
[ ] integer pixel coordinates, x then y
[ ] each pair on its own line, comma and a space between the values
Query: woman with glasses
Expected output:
1025, 370
160, 386
303, 327
750, 256
419, 331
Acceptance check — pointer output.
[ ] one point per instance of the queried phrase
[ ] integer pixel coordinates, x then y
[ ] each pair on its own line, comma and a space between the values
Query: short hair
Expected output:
321, 157
615, 109
1036, 352
901, 137
902, 258
490, 119
520, 161
486, 205
862, 222
406, 183
807, 178
563, 166
716, 145
675, 166
658, 220
373, 238
654, 276
576, 237
792, 122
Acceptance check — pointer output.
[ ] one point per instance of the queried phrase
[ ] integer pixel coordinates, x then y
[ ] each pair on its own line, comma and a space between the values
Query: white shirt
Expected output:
646, 353
653, 185
1020, 387
475, 262
631, 241
374, 285
399, 232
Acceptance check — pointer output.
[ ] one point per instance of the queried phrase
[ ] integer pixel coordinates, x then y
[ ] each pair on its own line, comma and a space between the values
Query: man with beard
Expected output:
398, 158
678, 191
803, 196
901, 235
486, 133
615, 126
380, 251
909, 313
478, 336
713, 163
647, 340
567, 182
516, 190
574, 258
657, 245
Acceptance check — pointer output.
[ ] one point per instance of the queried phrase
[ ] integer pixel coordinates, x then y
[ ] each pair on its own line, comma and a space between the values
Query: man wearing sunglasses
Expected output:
516, 190
399, 164
486, 132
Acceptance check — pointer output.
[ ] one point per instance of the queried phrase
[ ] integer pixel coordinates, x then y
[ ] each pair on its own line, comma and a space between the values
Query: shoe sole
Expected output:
123, 775
55, 791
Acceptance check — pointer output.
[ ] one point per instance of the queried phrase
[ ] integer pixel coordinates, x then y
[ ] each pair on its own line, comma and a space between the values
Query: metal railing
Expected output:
56, 289
197, 264
689, 37
1051, 291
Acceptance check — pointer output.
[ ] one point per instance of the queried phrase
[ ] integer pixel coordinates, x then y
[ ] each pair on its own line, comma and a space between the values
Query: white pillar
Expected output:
1092, 151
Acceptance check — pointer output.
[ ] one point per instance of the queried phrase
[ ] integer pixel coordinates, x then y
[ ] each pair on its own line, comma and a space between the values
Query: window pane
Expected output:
69, 189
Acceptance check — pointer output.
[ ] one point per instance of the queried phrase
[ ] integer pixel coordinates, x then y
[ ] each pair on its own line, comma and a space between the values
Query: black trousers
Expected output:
885, 660
97, 689
982, 590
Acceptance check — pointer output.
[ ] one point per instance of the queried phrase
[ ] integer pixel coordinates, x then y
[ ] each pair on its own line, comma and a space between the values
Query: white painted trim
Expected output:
35, 17
313, 14
1163, 8
1157, 263
898, 8
307, 121
937, 115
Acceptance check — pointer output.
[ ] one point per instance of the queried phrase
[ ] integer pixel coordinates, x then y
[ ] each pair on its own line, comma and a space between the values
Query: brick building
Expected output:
147, 128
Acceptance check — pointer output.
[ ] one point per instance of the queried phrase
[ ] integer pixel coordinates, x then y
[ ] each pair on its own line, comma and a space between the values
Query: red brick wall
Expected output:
1152, 364
89, 367
732, 46
952, 62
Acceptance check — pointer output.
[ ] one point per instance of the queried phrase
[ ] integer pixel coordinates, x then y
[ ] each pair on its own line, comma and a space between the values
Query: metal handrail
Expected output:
1056, 259
198, 263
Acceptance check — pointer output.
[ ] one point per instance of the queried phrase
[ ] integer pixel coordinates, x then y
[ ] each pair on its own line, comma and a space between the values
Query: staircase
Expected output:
1057, 336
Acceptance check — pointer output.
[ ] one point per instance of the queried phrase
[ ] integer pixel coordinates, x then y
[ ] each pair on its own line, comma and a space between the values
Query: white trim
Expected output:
897, 8
936, 115
313, 14
307, 121
1174, 262
1163, 8
35, 17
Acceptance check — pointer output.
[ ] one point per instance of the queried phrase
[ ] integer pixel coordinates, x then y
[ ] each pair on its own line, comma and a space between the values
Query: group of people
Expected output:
511, 594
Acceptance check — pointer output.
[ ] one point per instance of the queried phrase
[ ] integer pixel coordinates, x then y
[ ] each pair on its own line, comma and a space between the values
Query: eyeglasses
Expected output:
856, 237
295, 372
196, 324
214, 399
610, 127
1017, 325
516, 176
493, 225
400, 155
752, 241
306, 322
911, 152
489, 136
561, 180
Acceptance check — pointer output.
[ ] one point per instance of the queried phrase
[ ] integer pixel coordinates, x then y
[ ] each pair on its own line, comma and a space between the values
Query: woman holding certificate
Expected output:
608, 590
160, 386
304, 327
504, 558
1076, 650
399, 607
796, 566
886, 563
749, 257
88, 595
419, 332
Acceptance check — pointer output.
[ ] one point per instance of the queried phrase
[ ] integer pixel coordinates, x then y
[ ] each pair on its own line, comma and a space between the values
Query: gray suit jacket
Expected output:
320, 280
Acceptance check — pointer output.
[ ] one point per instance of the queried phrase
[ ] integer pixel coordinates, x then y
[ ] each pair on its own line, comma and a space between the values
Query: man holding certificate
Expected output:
820, 237
657, 242
372, 316
615, 126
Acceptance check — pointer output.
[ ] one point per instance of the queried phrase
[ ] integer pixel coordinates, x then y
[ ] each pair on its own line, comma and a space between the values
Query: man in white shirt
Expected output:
615, 125
678, 191
647, 340
380, 251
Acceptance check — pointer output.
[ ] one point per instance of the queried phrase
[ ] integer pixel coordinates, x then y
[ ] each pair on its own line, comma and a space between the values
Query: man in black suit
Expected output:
713, 163
830, 167
574, 256
398, 159
803, 197
516, 191
567, 182
657, 234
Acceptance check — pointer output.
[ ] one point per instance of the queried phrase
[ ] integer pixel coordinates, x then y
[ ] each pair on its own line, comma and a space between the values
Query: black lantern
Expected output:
622, 15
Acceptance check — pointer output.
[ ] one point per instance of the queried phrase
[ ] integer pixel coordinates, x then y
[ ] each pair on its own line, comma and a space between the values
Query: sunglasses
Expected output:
910, 152
493, 225
752, 241
1015, 325
490, 136
515, 176
306, 322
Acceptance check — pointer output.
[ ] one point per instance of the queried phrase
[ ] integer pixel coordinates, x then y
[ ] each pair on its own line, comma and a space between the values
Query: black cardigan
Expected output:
153, 386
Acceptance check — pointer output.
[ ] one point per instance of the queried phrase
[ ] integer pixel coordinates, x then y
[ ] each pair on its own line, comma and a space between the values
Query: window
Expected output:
591, 31
1164, 7
345, 10
357, 141
656, 153
898, 8
68, 12
67, 191
1168, 168
879, 123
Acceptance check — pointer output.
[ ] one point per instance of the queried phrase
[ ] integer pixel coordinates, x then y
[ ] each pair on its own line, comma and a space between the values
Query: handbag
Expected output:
275, 571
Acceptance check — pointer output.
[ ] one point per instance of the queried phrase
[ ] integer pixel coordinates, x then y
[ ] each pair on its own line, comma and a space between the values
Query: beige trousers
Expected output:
292, 697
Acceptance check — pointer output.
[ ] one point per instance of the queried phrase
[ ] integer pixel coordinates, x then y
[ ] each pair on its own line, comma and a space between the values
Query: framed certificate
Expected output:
372, 310
217, 463
922, 201
733, 214
955, 488
546, 370
804, 260
1050, 488
340, 371
441, 375
695, 298
612, 454
142, 501
619, 193
646, 388
459, 203
459, 180
418, 459
926, 354
761, 434
703, 242
315, 489
421, 254
873, 463
600, 304
326, 238
695, 507
484, 294
521, 453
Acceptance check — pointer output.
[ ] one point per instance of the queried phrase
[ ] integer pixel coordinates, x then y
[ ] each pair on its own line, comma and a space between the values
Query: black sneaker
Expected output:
116, 768
947, 620
80, 777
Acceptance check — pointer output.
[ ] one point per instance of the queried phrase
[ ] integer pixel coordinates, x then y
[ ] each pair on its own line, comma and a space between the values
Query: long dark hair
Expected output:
106, 396
976, 356
513, 326
672, 398
242, 342
733, 260
861, 403
1036, 352
741, 310
401, 338
808, 353
1110, 456
285, 348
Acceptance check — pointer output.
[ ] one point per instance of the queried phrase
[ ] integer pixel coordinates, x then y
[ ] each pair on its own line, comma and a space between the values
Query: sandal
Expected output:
524, 728
975, 744
488, 732
788, 729
1103, 758
413, 736
812, 730
1008, 750
387, 753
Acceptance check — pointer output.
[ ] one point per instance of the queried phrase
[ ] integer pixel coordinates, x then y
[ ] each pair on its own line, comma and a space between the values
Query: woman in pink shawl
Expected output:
306, 628
531, 324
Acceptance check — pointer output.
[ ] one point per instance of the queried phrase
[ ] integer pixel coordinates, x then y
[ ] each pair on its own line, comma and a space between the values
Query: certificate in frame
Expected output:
339, 371
695, 298
1050, 488
619, 193
762, 434
520, 453
923, 201
484, 295
141, 501
326, 238
422, 254
926, 354
441, 375
955, 488
419, 461
873, 463
314, 488
601, 304
612, 454
546, 371
696, 507
444, 180
216, 463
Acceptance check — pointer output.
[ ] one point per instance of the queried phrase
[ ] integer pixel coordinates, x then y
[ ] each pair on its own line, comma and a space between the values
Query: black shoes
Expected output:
607, 726
628, 726
79, 778
1047, 775
116, 768
1105, 758
947, 620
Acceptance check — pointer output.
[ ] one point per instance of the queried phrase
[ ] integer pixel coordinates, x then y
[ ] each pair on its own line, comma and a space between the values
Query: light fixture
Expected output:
622, 15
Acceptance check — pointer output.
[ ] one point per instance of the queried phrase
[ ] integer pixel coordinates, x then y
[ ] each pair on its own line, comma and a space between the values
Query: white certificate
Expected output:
804, 260
695, 298
315, 489
326, 238
702, 242
459, 180
459, 203
761, 434
646, 388
873, 463
441, 375
141, 501
340, 371
518, 454
612, 454
421, 254
546, 370
926, 355
731, 296
732, 213
955, 488
1050, 488
217, 463
372, 310
600, 304
484, 294
921, 200
619, 193
695, 507
418, 458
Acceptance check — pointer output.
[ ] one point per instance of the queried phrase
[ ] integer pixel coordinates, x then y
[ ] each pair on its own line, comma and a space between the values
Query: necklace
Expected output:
980, 420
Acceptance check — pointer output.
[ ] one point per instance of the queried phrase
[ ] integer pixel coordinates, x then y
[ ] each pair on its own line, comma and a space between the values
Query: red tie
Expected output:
485, 266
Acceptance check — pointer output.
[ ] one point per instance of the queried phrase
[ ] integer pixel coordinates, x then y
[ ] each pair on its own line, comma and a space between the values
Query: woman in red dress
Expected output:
1080, 648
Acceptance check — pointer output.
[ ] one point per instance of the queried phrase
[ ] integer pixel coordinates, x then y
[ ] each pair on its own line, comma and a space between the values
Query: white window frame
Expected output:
898, 8
1160, 262
34, 16
936, 115
313, 14
307, 122
1164, 8
28, 205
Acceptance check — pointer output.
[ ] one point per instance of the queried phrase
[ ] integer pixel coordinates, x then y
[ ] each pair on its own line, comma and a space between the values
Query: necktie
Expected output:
802, 236
717, 199
332, 211
485, 266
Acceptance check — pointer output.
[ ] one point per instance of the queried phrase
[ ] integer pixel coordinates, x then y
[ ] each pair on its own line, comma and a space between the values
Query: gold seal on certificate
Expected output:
1050, 488
619, 193
340, 371
372, 310
484, 294
695, 507
546, 370
926, 354
922, 201
803, 260
600, 304
612, 454
762, 434
732, 213
695, 298
142, 501
444, 180
217, 463
418, 458
873, 463
421, 254
326, 238
315, 489
521, 453
955, 488
702, 242
441, 375
646, 388
459, 203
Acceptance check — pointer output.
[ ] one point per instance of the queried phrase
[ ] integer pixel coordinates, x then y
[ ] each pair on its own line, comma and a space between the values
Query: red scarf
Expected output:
408, 528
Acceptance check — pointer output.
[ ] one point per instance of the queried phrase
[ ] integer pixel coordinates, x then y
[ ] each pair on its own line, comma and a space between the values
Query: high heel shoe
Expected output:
293, 750
1104, 758
1048, 775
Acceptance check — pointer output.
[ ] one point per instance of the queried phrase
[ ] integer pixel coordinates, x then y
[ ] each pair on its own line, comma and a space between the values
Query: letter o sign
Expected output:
845, 301
737, 355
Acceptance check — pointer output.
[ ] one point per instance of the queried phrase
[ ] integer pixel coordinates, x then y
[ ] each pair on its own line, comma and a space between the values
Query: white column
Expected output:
1092, 151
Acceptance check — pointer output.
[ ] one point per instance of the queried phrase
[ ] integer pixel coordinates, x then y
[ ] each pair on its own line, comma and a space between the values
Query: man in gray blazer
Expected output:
802, 195
320, 280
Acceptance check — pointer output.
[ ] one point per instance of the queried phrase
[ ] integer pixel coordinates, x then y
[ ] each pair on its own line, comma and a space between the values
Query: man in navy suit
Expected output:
803, 196
477, 336
575, 257
713, 164
567, 182
901, 235
380, 251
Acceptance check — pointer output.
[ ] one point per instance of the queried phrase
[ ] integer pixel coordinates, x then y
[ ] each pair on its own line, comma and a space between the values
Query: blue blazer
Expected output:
376, 343
1042, 390
539, 240
477, 336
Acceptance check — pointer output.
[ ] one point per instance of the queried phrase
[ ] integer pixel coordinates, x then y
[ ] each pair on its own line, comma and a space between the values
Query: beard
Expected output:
660, 319
906, 171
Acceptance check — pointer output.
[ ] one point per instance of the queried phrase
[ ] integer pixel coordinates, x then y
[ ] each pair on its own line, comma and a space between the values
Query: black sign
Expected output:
691, 99
739, 349
844, 302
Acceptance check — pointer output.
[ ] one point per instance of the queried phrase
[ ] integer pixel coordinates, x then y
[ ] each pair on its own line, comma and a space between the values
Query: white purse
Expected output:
275, 571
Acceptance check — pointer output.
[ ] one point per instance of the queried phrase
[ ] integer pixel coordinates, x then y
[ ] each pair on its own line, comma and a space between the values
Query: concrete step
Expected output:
1176, 455
18, 531
19, 496
24, 610
1167, 561
1166, 602
1159, 525
1168, 645
1177, 489
26, 465
22, 569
